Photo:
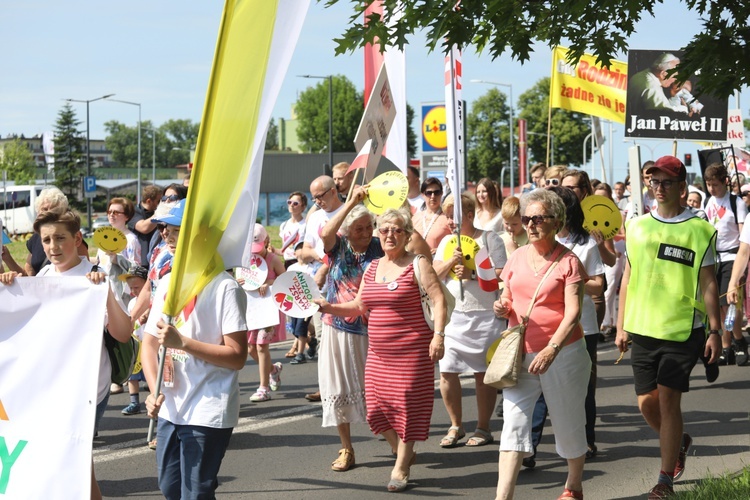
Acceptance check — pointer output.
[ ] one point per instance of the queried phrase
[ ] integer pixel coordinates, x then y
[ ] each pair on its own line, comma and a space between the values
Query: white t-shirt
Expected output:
495, 224
416, 203
291, 232
314, 224
475, 299
591, 259
132, 253
105, 367
719, 213
203, 394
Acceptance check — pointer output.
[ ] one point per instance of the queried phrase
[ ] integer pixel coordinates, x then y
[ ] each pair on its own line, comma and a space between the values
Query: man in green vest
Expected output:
668, 287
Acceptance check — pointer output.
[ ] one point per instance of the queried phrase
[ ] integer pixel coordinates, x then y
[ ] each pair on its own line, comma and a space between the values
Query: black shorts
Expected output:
664, 362
723, 275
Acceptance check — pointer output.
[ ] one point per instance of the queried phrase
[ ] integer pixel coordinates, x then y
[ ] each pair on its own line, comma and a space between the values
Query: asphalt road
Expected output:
280, 451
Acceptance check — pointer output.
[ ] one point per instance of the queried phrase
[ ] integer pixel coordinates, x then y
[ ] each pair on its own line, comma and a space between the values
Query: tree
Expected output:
181, 134
312, 112
17, 160
568, 128
411, 136
122, 141
69, 154
601, 28
272, 136
487, 135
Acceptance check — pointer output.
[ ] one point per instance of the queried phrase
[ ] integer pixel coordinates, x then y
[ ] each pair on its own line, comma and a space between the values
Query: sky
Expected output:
159, 54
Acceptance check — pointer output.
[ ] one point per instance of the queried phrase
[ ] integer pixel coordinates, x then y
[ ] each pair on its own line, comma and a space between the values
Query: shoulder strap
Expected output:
415, 264
539, 287
733, 204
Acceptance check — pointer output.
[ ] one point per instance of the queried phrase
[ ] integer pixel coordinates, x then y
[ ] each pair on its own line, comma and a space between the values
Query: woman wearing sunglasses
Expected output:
293, 229
431, 222
556, 363
119, 212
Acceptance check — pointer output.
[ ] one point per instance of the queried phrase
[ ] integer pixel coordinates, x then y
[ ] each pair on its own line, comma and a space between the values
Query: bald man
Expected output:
325, 195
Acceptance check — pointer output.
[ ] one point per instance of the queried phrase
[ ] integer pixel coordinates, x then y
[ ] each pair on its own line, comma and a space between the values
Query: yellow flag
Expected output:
255, 44
587, 87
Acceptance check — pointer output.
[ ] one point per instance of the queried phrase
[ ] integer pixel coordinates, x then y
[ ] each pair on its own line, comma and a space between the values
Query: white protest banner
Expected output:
376, 122
261, 312
254, 275
735, 128
50, 335
293, 293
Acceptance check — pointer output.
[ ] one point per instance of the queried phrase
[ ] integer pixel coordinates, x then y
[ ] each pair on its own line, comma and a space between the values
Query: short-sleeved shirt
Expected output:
720, 215
549, 307
315, 223
591, 259
344, 277
475, 299
203, 393
291, 232
143, 238
432, 227
36, 249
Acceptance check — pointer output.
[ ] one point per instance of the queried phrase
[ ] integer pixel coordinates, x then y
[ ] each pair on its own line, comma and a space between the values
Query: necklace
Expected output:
544, 260
424, 221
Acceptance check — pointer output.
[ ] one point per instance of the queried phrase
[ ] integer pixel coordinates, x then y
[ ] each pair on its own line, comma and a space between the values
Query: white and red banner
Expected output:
395, 149
376, 123
486, 277
50, 348
454, 118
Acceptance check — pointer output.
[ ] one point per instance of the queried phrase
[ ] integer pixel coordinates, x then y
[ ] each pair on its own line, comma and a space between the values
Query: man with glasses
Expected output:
668, 287
727, 214
140, 224
325, 195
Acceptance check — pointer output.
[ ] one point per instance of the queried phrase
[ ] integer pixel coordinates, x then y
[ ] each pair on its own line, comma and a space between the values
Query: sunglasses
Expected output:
388, 230
292, 203
115, 212
170, 198
536, 219
552, 182
433, 192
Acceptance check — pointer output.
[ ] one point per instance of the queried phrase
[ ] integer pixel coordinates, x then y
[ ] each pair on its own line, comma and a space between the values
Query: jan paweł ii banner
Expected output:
588, 87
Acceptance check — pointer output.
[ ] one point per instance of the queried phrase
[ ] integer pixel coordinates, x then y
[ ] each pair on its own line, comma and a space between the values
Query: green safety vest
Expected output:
665, 262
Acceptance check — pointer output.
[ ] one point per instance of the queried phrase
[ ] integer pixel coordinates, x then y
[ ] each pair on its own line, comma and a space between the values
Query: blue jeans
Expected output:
188, 458
100, 408
538, 418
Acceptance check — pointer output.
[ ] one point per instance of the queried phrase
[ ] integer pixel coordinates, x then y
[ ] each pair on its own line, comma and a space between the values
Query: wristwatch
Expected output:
714, 332
554, 346
442, 334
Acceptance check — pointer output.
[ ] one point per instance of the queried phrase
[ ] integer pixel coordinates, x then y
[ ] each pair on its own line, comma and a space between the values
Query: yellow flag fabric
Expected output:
255, 44
587, 87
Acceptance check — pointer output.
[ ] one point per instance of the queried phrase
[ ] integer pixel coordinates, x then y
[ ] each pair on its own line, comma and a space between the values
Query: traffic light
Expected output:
688, 159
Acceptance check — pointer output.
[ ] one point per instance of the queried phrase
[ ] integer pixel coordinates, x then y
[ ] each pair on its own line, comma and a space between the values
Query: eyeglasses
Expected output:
388, 230
433, 192
536, 219
655, 183
320, 196
293, 203
552, 182
115, 212
170, 198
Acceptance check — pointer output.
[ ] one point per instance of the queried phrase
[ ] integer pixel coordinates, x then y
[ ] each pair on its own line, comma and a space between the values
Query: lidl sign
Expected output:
434, 129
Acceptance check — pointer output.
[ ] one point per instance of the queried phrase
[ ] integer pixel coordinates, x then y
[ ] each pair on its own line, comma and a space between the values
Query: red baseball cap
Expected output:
669, 165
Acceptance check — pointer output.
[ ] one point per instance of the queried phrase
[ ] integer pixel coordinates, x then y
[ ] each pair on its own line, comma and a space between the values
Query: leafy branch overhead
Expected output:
720, 52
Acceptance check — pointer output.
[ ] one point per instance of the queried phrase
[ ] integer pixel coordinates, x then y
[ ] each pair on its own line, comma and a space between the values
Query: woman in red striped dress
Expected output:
399, 374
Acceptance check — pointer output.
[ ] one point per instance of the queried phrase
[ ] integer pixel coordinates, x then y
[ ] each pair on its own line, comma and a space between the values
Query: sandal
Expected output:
292, 353
455, 434
568, 493
480, 437
344, 462
399, 485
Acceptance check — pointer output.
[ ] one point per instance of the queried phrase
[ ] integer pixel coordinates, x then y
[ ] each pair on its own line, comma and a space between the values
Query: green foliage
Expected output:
411, 136
600, 28
312, 111
719, 488
122, 140
17, 160
181, 134
487, 135
272, 136
568, 128
70, 148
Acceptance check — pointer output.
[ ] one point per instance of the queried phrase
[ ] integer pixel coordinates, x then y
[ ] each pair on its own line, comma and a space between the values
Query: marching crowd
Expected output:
678, 271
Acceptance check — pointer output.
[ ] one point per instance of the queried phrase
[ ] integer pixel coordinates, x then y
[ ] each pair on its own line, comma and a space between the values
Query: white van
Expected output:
17, 208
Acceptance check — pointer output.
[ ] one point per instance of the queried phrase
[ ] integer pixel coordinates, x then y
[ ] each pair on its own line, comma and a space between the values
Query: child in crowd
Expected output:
200, 404
135, 278
515, 234
694, 200
301, 327
258, 341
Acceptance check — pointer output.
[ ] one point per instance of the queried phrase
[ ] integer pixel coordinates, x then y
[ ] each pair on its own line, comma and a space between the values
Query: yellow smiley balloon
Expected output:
601, 214
469, 248
110, 239
388, 190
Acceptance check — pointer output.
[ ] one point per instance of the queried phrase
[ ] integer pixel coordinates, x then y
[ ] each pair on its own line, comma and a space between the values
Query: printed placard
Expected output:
110, 240
601, 214
469, 248
293, 293
254, 275
388, 190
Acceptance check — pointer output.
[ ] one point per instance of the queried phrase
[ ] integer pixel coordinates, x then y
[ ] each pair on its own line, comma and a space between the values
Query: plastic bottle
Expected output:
729, 319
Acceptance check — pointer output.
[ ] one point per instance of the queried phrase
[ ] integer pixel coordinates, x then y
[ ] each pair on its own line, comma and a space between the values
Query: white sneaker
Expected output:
275, 377
260, 395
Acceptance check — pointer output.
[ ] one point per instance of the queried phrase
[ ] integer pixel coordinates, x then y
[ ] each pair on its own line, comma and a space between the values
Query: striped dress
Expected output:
399, 375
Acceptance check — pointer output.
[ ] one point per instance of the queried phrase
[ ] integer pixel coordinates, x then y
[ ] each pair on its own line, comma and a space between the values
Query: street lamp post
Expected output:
330, 113
510, 94
138, 193
88, 148
153, 155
